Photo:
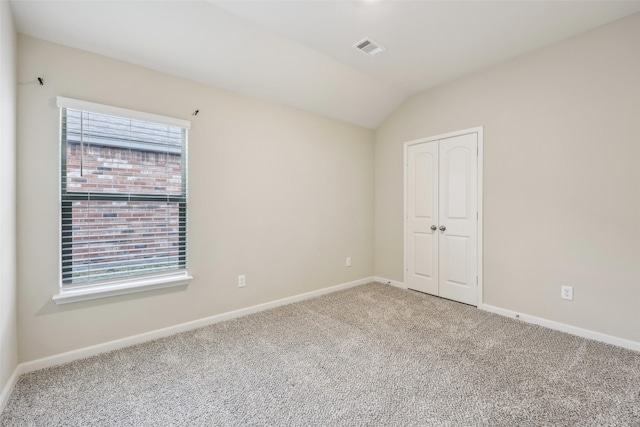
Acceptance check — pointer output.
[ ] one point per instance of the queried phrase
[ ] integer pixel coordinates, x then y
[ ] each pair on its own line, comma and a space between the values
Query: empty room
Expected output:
319, 213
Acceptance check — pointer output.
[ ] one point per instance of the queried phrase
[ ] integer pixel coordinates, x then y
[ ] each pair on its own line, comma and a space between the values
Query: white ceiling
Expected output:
299, 52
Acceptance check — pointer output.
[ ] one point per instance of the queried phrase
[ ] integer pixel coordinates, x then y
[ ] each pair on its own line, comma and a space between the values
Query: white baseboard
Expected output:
390, 282
563, 327
82, 353
8, 388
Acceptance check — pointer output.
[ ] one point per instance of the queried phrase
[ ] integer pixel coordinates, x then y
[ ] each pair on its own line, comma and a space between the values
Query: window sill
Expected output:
121, 287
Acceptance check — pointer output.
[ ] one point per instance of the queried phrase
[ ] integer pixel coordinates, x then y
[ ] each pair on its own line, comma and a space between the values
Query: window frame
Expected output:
69, 292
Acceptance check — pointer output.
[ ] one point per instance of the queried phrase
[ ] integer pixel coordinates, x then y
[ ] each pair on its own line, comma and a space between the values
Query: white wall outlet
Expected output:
241, 280
348, 263
567, 293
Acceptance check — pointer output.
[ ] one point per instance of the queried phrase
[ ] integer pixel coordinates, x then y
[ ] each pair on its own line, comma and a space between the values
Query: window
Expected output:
123, 199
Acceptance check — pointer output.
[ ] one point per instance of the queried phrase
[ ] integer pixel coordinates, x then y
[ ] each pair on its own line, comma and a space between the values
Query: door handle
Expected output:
434, 227
442, 228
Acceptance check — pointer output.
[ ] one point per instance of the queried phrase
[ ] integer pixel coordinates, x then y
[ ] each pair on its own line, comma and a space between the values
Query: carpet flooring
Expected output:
372, 355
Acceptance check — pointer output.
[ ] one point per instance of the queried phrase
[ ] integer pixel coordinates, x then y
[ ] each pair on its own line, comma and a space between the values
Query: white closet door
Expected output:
422, 218
458, 227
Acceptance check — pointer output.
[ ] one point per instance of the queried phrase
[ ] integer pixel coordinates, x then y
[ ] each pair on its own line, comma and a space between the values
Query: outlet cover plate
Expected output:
567, 293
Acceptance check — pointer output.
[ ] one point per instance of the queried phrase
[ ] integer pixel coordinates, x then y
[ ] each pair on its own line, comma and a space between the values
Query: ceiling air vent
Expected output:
369, 47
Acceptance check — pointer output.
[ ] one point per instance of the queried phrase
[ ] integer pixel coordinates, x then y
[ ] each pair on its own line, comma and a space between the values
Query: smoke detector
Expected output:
369, 47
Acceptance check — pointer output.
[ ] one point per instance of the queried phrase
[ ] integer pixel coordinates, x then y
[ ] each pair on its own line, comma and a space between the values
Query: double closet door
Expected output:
441, 220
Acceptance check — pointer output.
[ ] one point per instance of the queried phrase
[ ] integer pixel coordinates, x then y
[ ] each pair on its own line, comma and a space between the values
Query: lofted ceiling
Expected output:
300, 53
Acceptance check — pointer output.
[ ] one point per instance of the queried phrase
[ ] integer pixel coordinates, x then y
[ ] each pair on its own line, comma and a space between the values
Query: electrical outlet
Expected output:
241, 281
567, 293
348, 263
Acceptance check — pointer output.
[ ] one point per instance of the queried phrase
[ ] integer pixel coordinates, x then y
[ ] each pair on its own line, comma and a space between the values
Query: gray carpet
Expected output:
370, 355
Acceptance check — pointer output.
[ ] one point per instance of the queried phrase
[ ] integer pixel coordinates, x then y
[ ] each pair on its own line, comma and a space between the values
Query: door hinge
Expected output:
477, 215
476, 280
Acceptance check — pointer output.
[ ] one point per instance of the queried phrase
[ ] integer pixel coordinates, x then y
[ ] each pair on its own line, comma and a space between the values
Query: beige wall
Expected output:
8, 331
275, 193
561, 177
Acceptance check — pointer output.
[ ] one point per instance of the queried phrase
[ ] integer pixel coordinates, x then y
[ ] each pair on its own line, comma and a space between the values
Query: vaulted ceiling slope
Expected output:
300, 53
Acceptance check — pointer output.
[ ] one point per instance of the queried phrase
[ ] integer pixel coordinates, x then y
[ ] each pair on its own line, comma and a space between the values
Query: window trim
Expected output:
121, 287
124, 285
92, 107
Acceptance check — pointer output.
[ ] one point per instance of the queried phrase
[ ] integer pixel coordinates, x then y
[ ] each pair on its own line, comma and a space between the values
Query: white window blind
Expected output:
123, 193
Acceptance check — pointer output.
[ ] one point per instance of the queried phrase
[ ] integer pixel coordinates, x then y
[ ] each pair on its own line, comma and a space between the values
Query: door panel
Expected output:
421, 242
423, 246
457, 185
456, 256
458, 203
425, 166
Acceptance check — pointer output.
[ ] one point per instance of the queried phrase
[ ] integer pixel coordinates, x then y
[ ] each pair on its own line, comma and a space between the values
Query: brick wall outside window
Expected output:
120, 170
121, 236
